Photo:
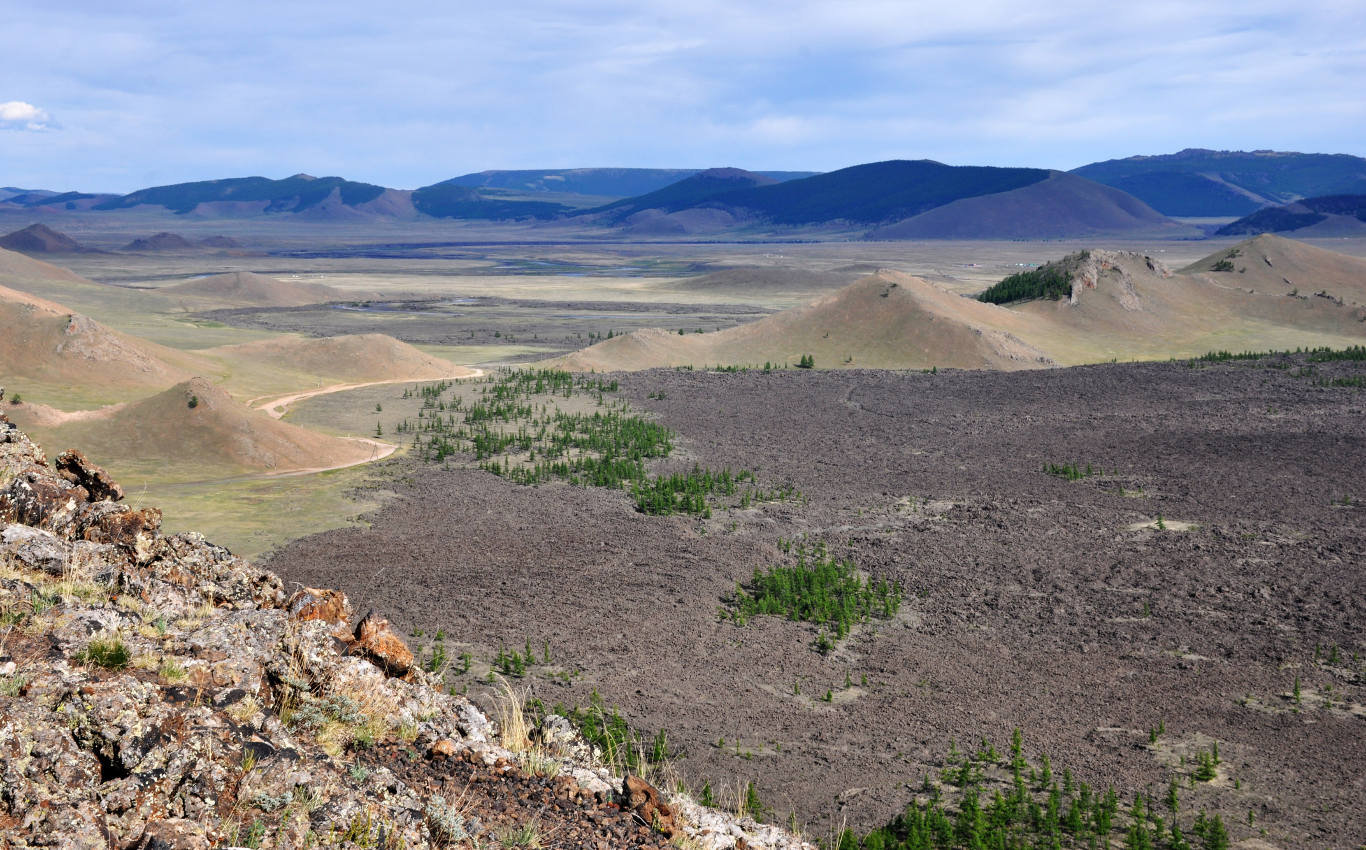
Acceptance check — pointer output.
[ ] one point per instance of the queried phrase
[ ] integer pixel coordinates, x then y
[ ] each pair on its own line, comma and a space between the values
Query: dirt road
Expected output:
276, 407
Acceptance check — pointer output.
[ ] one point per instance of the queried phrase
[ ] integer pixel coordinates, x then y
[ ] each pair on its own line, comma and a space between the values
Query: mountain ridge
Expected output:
1202, 182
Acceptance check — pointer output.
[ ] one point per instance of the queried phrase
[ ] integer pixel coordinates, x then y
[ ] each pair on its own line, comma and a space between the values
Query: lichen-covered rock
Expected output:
135, 531
644, 801
313, 603
73, 466
173, 834
378, 641
160, 693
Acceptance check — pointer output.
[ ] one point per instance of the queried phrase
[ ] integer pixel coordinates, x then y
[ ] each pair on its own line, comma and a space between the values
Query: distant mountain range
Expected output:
885, 200
896, 199
1197, 182
605, 182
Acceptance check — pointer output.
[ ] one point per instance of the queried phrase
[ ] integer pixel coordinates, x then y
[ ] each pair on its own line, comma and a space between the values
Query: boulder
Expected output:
645, 802
173, 834
73, 466
313, 603
376, 639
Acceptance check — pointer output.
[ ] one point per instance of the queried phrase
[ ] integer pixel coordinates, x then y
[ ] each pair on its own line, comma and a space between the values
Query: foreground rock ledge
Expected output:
159, 692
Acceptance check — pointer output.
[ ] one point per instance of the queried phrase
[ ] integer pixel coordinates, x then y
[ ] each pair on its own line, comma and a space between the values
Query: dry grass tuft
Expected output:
510, 714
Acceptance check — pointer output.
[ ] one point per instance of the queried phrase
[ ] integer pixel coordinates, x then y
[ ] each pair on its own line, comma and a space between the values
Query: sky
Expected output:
111, 97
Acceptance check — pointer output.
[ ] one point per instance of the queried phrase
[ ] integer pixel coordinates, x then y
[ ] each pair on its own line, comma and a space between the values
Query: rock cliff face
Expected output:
159, 692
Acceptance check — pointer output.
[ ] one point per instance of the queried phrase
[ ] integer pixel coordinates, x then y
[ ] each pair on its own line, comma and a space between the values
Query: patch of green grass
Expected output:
110, 653
622, 747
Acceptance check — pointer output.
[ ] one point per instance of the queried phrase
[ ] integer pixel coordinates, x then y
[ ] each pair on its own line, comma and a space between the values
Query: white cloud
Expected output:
17, 115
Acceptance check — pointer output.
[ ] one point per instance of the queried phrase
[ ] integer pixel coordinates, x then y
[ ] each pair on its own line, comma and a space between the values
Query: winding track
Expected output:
276, 407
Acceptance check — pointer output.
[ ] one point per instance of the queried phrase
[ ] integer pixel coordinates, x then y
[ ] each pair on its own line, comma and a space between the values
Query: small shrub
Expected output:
524, 835
171, 670
446, 825
110, 653
193, 402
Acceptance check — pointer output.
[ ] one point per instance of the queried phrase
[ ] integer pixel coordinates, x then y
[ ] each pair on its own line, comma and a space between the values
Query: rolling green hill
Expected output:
1299, 215
688, 192
606, 182
1198, 182
451, 200
874, 193
292, 194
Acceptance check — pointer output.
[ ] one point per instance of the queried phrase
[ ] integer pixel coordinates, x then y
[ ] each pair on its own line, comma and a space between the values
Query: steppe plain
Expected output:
1208, 573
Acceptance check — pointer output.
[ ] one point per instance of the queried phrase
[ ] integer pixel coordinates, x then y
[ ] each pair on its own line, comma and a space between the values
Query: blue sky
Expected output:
106, 96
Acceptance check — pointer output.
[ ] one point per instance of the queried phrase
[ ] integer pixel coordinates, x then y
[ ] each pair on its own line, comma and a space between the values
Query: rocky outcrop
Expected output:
644, 801
376, 639
159, 692
73, 466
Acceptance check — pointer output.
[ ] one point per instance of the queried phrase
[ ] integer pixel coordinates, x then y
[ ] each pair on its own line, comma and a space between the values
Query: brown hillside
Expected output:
248, 289
162, 241
1062, 205
1280, 294
44, 341
1273, 264
746, 279
886, 321
357, 357
1126, 306
39, 239
16, 267
216, 433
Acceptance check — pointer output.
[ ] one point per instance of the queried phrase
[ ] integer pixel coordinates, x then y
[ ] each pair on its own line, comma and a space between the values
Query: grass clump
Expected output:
623, 748
818, 588
109, 652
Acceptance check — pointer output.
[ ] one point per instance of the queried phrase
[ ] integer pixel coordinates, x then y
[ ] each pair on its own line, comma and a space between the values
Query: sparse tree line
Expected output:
516, 431
985, 801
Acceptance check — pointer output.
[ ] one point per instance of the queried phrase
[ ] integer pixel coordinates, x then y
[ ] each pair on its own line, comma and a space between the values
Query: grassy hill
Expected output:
1061, 205
290, 195
688, 192
248, 289
38, 238
352, 358
874, 193
59, 354
453, 200
883, 321
1092, 306
1343, 214
606, 182
195, 430
1198, 182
